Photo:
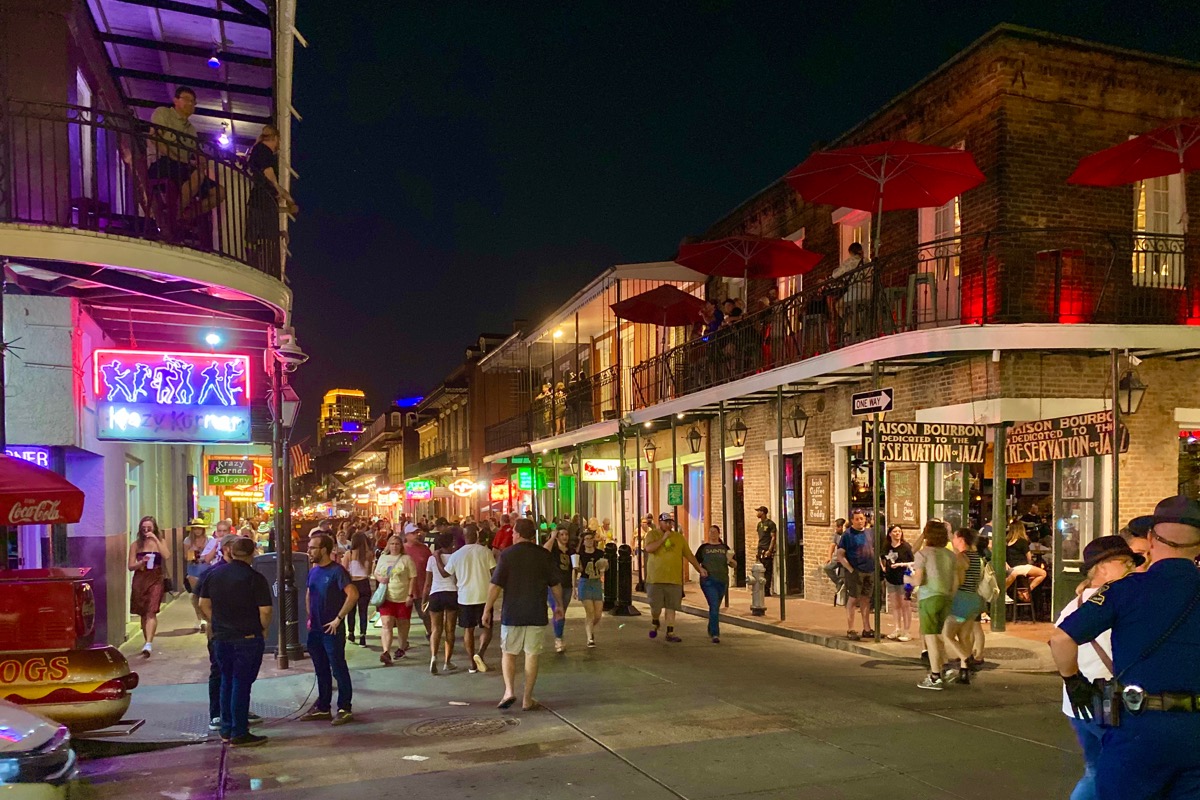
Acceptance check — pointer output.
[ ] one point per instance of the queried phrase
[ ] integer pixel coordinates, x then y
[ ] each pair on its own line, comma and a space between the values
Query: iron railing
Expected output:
440, 460
578, 404
508, 434
96, 170
1001, 277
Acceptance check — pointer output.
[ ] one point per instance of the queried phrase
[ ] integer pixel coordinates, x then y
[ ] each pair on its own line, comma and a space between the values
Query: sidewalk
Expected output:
1021, 648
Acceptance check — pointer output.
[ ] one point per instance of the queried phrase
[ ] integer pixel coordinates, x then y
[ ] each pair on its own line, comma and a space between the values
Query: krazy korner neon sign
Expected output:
172, 396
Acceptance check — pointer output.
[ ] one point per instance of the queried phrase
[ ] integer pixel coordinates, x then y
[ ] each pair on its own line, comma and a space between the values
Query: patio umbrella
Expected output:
748, 257
33, 495
1173, 148
664, 305
885, 176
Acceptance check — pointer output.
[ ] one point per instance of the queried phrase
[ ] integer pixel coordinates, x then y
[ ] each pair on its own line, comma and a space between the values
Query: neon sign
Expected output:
499, 489
160, 396
418, 489
34, 455
600, 470
463, 487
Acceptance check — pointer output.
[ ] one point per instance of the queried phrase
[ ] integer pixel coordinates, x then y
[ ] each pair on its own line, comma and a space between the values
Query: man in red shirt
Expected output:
504, 536
416, 549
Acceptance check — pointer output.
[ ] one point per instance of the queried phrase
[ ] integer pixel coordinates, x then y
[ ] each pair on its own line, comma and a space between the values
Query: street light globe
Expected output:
212, 338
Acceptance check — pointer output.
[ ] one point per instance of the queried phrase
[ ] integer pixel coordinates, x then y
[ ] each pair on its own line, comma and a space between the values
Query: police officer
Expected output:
768, 534
1155, 622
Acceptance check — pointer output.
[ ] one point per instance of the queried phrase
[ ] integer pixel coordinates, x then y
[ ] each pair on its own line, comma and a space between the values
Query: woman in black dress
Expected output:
262, 209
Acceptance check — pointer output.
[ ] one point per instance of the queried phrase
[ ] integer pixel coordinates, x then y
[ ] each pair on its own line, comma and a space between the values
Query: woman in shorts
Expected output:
398, 571
590, 565
959, 628
441, 595
559, 546
895, 561
934, 577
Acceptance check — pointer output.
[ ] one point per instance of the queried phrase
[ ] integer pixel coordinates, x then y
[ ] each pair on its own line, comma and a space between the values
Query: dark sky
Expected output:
465, 164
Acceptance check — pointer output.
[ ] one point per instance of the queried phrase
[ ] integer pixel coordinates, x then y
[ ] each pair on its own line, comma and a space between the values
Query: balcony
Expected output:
579, 404
65, 168
1004, 277
445, 459
510, 434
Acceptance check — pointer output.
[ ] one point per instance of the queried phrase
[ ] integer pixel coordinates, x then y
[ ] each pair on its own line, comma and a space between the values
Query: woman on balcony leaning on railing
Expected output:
266, 194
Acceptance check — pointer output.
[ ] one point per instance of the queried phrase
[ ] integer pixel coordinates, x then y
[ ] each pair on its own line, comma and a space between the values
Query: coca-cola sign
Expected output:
34, 512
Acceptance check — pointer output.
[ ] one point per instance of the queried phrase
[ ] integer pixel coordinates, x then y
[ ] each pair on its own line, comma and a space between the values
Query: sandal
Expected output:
385, 659
853, 636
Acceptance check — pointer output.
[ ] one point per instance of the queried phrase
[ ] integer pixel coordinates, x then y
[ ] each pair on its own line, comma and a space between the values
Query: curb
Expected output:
821, 639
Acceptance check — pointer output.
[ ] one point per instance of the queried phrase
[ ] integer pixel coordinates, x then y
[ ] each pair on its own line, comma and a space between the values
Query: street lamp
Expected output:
695, 439
738, 431
798, 420
650, 450
1130, 391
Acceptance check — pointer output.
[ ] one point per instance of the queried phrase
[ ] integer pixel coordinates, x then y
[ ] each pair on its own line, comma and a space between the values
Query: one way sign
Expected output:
876, 401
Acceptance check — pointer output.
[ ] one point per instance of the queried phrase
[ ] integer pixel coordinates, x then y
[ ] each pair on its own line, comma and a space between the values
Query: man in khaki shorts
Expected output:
666, 550
525, 573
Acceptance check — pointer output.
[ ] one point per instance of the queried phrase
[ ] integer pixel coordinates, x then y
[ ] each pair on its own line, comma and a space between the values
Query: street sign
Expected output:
230, 472
932, 442
878, 400
674, 494
1076, 436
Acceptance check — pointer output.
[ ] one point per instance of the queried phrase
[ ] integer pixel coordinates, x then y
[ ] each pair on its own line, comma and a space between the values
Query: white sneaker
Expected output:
558, 646
904, 637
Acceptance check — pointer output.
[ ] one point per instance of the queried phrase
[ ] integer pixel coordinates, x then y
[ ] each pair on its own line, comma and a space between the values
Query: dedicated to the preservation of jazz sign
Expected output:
1076, 436
935, 442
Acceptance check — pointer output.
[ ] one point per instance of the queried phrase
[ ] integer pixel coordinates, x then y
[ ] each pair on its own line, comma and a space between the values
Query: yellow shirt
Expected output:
665, 565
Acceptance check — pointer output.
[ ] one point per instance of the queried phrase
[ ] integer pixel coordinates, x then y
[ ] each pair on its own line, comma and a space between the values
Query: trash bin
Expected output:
267, 564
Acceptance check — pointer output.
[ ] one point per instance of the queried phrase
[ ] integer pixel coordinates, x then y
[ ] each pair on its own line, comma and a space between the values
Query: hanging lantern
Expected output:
1130, 391
738, 431
798, 420
650, 450
694, 439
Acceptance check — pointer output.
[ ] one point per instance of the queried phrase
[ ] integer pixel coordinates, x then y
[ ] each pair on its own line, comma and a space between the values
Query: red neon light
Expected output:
197, 360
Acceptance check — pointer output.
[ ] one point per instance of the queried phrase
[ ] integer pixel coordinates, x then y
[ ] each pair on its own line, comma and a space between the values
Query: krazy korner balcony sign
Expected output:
155, 396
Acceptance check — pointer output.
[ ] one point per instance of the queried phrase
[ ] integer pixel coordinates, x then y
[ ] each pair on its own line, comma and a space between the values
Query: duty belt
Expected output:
1136, 699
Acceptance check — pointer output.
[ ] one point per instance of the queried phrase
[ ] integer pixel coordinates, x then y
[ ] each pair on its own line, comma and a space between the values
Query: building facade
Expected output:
1001, 308
344, 414
152, 308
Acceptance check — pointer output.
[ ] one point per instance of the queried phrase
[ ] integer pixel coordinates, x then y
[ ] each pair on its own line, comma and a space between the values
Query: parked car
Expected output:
36, 759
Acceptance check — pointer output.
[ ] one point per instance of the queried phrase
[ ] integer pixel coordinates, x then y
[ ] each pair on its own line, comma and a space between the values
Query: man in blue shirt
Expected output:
856, 554
331, 596
1155, 622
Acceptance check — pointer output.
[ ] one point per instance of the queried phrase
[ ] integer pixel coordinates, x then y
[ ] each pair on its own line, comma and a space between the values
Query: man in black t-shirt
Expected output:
525, 572
768, 534
237, 602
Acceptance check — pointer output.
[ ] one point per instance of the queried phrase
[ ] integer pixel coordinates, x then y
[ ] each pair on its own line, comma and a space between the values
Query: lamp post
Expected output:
284, 356
1127, 393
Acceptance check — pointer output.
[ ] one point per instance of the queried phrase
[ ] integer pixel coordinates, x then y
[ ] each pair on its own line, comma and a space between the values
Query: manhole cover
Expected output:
1007, 654
461, 726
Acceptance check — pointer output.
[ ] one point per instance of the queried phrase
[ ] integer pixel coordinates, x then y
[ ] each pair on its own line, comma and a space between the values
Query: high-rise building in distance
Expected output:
344, 414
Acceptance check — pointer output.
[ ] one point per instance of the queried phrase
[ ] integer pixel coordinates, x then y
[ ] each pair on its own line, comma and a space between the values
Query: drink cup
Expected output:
575, 560
150, 560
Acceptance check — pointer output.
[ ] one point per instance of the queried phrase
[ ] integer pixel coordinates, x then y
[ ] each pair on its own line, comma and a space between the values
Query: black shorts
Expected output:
443, 601
179, 173
860, 585
470, 616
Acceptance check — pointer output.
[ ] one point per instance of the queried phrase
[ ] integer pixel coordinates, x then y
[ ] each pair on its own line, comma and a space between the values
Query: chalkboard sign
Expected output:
903, 488
816, 498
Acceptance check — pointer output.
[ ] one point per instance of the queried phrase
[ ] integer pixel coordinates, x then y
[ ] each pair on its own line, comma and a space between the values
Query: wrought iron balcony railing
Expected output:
1064, 276
578, 404
444, 459
90, 169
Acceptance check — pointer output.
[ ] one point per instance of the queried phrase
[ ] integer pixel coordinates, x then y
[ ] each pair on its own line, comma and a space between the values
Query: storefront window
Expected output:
948, 492
859, 474
1076, 518
1189, 464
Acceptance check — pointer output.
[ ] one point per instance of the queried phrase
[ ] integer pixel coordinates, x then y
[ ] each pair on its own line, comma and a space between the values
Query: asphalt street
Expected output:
757, 716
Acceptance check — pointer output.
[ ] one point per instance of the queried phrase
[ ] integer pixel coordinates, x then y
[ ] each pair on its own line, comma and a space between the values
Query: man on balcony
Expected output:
178, 156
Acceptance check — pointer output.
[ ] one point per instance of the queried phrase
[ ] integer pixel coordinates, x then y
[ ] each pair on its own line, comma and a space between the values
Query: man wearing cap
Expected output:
324, 526
666, 550
1155, 622
768, 535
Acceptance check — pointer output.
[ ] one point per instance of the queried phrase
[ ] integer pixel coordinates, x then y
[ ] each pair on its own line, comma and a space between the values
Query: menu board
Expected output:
903, 496
816, 498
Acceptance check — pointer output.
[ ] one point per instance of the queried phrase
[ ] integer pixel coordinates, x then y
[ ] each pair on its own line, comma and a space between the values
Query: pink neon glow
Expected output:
199, 360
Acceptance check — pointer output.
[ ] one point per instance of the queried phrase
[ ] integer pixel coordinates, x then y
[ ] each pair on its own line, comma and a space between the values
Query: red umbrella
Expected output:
886, 176
1173, 148
664, 305
33, 495
748, 257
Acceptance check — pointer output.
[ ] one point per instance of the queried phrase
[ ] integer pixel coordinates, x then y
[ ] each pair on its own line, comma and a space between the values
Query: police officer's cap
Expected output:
1104, 548
1179, 509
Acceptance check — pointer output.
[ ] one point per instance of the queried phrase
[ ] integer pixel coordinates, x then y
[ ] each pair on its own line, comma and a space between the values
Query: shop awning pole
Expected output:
621, 482
637, 506
999, 522
1116, 442
721, 465
876, 476
781, 524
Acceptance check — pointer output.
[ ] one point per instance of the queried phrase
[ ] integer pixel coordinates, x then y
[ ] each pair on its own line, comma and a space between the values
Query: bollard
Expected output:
623, 607
610, 576
758, 584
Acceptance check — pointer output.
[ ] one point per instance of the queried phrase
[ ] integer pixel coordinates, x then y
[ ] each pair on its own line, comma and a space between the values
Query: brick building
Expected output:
1001, 307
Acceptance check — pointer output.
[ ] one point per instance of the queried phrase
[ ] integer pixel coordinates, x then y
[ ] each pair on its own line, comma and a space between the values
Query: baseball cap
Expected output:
763, 509
411, 528
228, 539
666, 516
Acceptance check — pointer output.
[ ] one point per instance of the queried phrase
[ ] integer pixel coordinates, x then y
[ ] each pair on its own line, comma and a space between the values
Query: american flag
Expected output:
301, 463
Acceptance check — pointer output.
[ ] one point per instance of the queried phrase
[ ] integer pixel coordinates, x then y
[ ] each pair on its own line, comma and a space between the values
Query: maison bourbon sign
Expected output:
1076, 436
932, 442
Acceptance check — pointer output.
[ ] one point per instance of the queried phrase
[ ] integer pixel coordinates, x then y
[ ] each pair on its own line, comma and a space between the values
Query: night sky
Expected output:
466, 164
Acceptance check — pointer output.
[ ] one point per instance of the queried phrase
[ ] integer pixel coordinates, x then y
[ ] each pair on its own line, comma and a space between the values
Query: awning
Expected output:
33, 495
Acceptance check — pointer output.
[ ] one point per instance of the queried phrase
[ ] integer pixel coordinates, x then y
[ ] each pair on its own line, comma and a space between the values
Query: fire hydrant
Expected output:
758, 584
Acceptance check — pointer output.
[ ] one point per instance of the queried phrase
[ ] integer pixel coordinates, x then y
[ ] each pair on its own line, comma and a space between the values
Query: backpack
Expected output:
988, 587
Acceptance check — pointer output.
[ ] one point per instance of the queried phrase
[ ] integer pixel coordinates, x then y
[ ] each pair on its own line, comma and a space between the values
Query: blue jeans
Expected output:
214, 682
559, 624
328, 653
239, 660
1089, 735
714, 591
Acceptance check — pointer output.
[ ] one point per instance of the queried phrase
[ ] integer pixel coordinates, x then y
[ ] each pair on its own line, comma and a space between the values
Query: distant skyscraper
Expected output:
344, 414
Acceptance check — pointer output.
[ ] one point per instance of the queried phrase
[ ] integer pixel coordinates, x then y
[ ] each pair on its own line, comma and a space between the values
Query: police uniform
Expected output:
766, 530
1153, 753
